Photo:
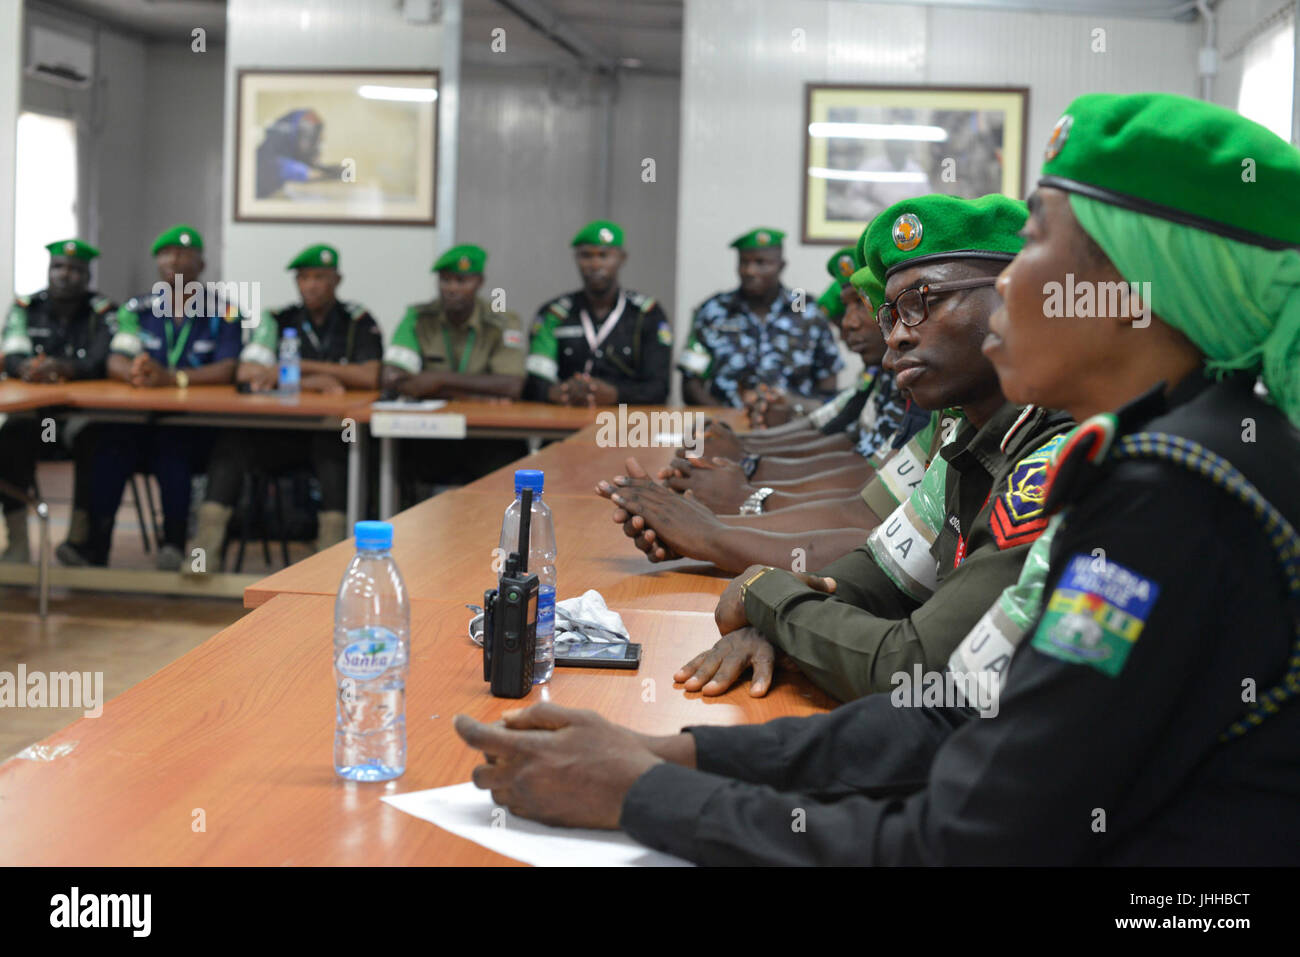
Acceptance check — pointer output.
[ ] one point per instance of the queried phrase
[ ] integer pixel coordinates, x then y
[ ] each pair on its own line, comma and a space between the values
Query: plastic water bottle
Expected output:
541, 562
290, 362
372, 650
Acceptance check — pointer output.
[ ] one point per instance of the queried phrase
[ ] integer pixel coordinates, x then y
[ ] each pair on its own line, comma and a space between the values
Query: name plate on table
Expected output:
417, 425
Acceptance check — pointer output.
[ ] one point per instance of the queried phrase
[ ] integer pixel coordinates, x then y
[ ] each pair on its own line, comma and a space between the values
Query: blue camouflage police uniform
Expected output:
170, 453
735, 349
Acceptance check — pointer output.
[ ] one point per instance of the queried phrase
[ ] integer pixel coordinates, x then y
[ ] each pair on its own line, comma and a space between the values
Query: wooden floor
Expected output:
126, 637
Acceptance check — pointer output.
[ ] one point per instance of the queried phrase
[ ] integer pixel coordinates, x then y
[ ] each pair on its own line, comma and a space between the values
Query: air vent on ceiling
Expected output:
59, 58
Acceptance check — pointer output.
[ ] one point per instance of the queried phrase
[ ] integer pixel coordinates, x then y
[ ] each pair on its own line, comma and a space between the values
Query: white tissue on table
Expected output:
575, 616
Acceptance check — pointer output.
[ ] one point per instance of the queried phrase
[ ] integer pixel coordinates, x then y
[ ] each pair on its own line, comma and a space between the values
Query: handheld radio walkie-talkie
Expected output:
510, 618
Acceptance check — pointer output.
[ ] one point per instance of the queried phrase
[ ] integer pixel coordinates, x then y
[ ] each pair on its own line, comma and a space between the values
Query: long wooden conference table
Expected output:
222, 406
225, 756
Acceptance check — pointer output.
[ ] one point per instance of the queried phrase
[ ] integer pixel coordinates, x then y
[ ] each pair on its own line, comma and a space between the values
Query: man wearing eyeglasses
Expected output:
927, 573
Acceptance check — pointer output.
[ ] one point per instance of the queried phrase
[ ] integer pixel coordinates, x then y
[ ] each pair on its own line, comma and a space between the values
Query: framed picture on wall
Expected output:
337, 146
868, 147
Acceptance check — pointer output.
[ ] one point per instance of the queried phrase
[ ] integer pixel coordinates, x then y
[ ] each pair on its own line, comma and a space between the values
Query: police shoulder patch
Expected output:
1096, 613
665, 333
356, 310
1017, 516
101, 304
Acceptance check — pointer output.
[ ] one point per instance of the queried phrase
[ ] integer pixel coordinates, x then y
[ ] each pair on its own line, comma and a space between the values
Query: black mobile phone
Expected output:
590, 654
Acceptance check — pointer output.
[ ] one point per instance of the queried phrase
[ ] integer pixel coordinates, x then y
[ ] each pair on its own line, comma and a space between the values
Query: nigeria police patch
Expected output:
1017, 515
1095, 614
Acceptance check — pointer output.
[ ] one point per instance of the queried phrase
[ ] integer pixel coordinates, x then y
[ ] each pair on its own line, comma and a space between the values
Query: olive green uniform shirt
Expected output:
492, 343
929, 571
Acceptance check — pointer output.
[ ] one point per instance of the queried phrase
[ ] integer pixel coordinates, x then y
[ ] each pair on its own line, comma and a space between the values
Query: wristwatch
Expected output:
182, 379
749, 464
754, 504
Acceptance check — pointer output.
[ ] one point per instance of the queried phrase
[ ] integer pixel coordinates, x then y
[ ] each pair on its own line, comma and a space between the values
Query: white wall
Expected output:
385, 267
743, 100
181, 175
531, 140
11, 19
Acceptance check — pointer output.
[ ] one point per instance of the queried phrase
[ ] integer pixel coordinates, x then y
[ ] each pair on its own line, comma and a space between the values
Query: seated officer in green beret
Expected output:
163, 343
758, 334
58, 334
340, 346
602, 345
456, 347
1149, 716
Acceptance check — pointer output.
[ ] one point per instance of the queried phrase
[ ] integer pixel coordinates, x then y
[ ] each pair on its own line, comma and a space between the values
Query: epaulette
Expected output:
355, 310
560, 308
641, 301
100, 304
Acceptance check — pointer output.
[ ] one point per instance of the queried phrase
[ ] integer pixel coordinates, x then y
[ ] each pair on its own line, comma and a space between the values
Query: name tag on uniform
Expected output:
568, 332
38, 333
204, 345
512, 339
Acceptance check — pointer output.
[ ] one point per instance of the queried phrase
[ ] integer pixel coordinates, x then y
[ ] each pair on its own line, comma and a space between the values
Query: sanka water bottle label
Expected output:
545, 610
370, 657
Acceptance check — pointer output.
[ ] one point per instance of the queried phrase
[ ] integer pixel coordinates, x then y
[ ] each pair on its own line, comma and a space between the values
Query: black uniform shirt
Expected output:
348, 334
31, 329
635, 357
1104, 750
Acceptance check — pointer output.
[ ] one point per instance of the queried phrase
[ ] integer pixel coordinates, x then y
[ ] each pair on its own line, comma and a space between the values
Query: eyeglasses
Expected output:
912, 306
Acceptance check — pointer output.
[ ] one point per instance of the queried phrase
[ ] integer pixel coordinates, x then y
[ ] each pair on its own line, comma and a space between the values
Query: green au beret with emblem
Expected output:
830, 301
762, 237
464, 259
73, 248
1216, 170
599, 232
319, 256
869, 287
180, 235
942, 227
843, 264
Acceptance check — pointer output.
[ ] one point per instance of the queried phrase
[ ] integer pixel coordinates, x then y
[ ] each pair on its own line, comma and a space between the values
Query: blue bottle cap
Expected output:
374, 536
534, 479
291, 332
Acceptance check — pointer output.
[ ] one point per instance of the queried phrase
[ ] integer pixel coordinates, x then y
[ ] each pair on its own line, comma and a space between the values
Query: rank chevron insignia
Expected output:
1017, 516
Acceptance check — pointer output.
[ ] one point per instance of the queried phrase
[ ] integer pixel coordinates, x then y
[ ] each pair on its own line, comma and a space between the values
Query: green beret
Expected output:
181, 235
465, 258
869, 287
831, 302
843, 264
319, 256
761, 238
942, 227
599, 232
1179, 159
73, 248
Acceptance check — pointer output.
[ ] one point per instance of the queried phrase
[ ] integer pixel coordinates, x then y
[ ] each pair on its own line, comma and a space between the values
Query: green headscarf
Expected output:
1238, 303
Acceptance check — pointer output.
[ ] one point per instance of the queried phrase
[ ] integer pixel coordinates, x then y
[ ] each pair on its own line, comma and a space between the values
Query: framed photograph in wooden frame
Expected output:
867, 147
337, 146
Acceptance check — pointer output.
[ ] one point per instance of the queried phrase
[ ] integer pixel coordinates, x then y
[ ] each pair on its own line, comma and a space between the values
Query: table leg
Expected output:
356, 481
43, 573
386, 479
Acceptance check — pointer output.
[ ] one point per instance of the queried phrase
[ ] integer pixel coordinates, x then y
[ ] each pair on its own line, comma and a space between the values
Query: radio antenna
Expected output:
525, 524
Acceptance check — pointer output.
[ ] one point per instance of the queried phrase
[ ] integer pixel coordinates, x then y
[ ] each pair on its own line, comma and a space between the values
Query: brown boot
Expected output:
209, 536
331, 528
18, 550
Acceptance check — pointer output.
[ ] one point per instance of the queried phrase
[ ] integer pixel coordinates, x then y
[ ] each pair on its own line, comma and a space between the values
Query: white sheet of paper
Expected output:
468, 812
406, 405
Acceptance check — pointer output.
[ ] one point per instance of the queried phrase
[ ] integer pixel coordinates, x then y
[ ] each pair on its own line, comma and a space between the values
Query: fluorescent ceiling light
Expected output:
877, 131
865, 176
409, 94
